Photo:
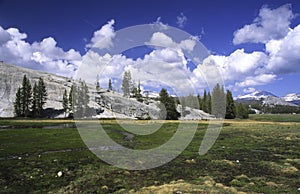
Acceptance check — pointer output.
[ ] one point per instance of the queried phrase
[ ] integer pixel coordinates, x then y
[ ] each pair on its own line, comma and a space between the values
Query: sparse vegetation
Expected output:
259, 155
30, 101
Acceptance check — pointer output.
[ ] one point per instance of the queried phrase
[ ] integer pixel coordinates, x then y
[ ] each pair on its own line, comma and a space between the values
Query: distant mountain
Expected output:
257, 95
263, 97
292, 98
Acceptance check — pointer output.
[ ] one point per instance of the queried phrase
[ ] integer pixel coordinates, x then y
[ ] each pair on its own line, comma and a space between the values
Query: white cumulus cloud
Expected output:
102, 38
284, 53
269, 25
44, 55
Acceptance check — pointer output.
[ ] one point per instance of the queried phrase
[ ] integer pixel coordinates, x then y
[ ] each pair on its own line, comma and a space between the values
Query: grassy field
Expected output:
259, 155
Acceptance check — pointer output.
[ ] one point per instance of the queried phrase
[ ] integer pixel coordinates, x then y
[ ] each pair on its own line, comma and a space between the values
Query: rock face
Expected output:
11, 79
104, 104
127, 106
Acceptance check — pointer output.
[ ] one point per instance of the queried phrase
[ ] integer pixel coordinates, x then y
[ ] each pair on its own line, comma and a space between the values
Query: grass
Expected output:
276, 117
259, 155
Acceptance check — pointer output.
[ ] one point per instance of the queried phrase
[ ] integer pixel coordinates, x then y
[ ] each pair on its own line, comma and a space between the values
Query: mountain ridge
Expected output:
264, 97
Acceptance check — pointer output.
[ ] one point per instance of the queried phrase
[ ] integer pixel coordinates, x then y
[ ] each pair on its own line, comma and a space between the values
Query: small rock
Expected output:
59, 174
20, 158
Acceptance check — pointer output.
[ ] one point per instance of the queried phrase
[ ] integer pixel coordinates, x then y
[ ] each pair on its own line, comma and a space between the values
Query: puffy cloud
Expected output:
106, 66
269, 25
160, 39
44, 55
256, 80
103, 37
284, 53
181, 20
249, 90
237, 65
4, 36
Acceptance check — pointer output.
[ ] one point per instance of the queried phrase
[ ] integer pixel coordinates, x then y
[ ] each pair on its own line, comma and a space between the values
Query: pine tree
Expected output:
204, 102
110, 88
86, 97
34, 106
218, 101
80, 99
71, 105
41, 96
230, 107
199, 102
183, 106
17, 104
26, 96
97, 84
167, 106
139, 96
208, 103
126, 83
241, 111
65, 102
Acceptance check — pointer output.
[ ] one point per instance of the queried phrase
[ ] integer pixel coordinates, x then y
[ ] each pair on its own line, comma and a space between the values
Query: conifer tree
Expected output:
65, 102
126, 83
218, 99
204, 102
208, 103
71, 105
26, 96
199, 101
97, 84
41, 96
34, 106
167, 106
110, 88
17, 104
241, 111
139, 96
230, 107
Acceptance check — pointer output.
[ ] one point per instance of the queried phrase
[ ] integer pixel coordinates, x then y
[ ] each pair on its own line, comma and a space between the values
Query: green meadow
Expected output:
258, 155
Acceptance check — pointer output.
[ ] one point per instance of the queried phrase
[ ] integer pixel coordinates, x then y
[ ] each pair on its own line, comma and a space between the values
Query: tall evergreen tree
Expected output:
208, 103
167, 106
110, 85
199, 101
80, 99
230, 107
126, 83
26, 96
34, 106
241, 111
17, 104
86, 97
97, 84
139, 96
204, 102
41, 96
183, 106
71, 105
218, 101
65, 102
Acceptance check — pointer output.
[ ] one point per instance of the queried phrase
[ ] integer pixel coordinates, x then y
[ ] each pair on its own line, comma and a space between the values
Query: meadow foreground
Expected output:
259, 155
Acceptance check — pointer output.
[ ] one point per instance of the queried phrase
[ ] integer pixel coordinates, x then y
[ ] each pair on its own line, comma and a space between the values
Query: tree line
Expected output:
30, 100
218, 103
76, 102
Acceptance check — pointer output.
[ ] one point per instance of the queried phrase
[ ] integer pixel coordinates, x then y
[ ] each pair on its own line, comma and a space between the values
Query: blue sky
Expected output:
54, 35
